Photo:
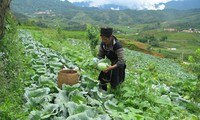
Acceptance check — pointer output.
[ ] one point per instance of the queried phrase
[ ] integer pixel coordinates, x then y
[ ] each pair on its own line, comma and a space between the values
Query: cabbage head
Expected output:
102, 66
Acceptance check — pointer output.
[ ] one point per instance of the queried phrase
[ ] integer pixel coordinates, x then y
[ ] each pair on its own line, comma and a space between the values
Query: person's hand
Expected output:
109, 68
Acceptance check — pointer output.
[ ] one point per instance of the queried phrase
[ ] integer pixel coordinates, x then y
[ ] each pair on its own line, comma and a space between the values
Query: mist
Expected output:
131, 4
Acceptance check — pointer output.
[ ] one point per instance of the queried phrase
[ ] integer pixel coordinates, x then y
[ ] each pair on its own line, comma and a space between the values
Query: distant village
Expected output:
47, 12
190, 30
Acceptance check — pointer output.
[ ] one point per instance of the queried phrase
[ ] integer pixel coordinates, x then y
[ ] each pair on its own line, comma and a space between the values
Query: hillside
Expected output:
29, 7
184, 43
31, 57
66, 14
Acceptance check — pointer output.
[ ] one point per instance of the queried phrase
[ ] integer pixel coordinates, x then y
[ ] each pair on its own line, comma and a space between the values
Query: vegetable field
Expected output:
154, 88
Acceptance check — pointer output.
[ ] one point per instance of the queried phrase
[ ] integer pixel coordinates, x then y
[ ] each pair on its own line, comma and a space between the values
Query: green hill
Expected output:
55, 12
127, 23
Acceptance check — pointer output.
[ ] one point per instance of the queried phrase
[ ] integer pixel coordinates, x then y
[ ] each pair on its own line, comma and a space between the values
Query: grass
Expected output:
57, 33
12, 73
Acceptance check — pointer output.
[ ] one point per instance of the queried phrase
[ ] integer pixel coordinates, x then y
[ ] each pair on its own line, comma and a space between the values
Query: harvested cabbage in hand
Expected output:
102, 66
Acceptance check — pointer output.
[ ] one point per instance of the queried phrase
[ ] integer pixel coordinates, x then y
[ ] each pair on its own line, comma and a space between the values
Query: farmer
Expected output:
111, 48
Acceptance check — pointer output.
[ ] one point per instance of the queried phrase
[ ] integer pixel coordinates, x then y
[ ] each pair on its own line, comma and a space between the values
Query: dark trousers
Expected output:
114, 77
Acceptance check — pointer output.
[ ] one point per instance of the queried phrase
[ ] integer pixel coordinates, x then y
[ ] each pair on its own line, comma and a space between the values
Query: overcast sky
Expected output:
132, 4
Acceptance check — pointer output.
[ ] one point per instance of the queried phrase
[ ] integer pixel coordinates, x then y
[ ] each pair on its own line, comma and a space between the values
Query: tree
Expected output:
4, 6
163, 38
93, 37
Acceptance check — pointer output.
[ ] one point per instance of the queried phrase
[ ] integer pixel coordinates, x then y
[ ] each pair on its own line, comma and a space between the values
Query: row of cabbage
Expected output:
44, 100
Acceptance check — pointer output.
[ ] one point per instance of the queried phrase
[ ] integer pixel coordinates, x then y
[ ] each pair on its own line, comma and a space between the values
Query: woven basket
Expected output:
69, 77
